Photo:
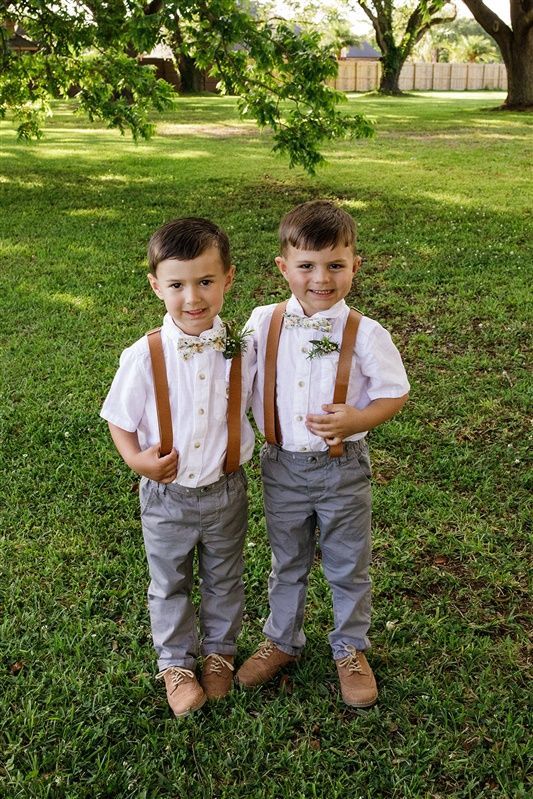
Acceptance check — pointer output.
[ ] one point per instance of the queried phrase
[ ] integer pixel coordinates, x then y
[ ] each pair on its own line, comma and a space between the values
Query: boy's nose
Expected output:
322, 275
191, 295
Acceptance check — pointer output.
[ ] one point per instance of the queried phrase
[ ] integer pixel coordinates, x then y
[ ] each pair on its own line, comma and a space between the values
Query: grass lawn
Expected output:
442, 204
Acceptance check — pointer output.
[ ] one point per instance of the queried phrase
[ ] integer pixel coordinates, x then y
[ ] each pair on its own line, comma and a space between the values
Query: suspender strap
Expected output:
272, 428
343, 370
164, 418
270, 411
162, 401
233, 452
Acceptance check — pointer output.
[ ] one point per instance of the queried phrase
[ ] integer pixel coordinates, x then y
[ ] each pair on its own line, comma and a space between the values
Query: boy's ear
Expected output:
229, 278
154, 284
282, 266
357, 261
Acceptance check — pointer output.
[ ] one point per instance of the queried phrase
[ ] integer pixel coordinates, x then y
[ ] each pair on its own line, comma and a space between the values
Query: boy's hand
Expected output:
337, 423
145, 462
149, 464
341, 421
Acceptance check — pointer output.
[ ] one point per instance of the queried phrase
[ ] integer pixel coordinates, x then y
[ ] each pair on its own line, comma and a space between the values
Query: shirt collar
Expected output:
174, 333
293, 306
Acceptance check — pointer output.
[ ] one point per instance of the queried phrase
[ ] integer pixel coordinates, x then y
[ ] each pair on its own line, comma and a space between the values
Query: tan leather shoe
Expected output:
184, 692
263, 665
217, 675
358, 684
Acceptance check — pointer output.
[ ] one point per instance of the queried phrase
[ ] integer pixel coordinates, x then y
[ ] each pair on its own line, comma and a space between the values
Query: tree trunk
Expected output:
516, 45
391, 66
518, 59
191, 79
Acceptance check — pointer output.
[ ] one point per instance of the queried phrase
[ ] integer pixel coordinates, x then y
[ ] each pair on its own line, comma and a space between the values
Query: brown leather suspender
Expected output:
271, 420
233, 451
162, 401
343, 370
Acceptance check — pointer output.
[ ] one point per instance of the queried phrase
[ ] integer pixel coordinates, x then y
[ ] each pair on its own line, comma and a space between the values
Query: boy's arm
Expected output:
145, 462
341, 421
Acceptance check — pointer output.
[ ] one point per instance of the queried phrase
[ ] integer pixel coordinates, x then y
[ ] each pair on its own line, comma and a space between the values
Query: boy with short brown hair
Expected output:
193, 499
315, 464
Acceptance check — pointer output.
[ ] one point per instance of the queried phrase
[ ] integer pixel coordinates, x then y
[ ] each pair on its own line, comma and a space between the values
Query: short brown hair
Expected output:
316, 225
186, 239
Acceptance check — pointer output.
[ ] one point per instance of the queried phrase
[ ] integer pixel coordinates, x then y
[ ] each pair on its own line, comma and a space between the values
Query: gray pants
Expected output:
303, 490
178, 521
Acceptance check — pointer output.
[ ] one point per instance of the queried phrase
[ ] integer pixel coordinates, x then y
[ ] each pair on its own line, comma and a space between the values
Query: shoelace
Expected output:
177, 675
351, 661
217, 663
265, 650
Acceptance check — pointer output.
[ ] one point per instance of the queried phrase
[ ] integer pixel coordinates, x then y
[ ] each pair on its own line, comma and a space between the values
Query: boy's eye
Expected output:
175, 285
305, 266
206, 282
336, 266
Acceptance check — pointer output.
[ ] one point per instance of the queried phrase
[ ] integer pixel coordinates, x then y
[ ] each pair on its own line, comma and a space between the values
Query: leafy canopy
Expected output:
91, 50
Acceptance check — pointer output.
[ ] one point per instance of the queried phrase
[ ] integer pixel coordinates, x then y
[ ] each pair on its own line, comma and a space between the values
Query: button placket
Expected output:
300, 391
202, 381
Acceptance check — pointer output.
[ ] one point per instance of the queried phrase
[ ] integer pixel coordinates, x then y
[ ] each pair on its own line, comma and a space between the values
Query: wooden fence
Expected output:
363, 76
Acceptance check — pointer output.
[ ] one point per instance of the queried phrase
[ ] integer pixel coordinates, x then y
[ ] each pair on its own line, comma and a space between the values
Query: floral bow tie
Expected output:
319, 323
191, 345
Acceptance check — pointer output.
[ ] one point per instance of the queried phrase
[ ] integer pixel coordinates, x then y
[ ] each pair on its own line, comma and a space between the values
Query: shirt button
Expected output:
201, 411
299, 418
201, 376
196, 444
191, 476
305, 349
303, 449
301, 383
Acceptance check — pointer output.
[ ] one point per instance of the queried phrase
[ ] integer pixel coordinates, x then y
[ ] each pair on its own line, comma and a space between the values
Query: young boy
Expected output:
315, 464
189, 499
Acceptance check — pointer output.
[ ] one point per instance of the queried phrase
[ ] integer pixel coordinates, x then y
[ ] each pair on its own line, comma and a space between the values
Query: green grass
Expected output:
441, 199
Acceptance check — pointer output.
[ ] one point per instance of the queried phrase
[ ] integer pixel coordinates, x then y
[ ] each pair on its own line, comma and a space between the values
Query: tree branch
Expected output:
490, 22
521, 14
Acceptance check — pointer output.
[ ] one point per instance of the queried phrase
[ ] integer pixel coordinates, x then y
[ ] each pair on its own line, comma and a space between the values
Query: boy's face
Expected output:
193, 291
319, 278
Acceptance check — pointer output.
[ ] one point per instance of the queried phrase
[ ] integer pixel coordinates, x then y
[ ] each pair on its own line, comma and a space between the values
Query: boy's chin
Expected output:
193, 327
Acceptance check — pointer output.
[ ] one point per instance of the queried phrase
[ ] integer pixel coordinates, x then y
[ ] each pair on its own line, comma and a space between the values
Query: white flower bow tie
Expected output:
318, 323
188, 346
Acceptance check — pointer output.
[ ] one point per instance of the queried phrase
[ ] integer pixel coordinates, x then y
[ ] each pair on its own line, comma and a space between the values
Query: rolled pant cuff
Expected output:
339, 649
180, 663
287, 648
218, 649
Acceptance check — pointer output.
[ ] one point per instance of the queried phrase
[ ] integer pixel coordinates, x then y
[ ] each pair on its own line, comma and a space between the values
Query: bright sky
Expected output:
501, 7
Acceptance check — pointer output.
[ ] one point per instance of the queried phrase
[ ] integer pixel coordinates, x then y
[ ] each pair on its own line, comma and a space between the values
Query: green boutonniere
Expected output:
322, 346
235, 339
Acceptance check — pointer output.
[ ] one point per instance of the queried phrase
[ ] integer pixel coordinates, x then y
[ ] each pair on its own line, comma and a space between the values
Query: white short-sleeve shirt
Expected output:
304, 385
198, 389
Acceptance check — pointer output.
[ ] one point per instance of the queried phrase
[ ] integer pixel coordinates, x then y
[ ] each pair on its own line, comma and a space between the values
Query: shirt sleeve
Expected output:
125, 403
382, 366
249, 365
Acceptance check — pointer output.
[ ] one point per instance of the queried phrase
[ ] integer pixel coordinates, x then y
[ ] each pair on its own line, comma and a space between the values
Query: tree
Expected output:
444, 42
395, 39
91, 49
516, 45
474, 49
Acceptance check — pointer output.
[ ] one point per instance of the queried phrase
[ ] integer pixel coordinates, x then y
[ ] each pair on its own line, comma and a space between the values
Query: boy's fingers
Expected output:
333, 408
172, 457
